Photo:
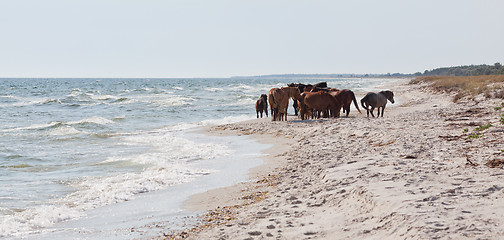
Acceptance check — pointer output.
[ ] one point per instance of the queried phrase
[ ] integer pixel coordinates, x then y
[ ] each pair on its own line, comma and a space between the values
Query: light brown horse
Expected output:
273, 104
281, 98
319, 101
262, 105
346, 97
377, 100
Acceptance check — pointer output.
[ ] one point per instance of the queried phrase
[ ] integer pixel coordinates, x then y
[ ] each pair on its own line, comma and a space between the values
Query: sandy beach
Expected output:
428, 169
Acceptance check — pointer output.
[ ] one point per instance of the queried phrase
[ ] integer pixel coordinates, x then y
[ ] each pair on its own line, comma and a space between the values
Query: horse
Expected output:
320, 85
321, 102
273, 105
377, 100
262, 105
346, 97
302, 88
281, 98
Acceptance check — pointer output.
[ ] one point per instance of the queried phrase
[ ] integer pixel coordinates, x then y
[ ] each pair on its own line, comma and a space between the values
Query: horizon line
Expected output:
238, 76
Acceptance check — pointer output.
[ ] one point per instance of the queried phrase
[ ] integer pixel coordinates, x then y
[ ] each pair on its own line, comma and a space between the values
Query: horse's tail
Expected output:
362, 101
355, 102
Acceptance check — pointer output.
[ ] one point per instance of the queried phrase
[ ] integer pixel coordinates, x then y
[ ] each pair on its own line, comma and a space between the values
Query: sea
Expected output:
93, 158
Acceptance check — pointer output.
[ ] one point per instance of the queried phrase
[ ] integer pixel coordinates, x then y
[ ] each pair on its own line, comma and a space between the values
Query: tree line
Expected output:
471, 70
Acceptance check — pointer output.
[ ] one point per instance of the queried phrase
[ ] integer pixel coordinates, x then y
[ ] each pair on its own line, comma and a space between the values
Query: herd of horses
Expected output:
318, 100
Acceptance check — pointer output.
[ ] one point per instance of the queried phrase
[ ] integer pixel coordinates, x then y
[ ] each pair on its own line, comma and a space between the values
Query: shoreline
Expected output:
400, 176
229, 196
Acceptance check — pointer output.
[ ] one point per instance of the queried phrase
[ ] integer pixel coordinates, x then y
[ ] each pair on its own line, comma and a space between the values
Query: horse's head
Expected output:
293, 92
389, 95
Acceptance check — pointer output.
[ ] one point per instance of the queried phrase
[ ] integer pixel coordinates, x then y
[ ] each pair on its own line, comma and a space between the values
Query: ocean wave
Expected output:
92, 120
63, 128
165, 100
23, 101
228, 120
64, 131
214, 89
42, 126
242, 86
31, 220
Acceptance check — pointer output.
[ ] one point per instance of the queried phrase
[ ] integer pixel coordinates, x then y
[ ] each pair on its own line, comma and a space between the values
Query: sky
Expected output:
224, 38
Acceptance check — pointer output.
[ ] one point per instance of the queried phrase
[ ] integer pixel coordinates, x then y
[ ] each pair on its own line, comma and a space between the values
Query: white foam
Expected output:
39, 126
167, 162
22, 102
104, 97
214, 89
164, 100
93, 119
64, 130
33, 219
243, 87
228, 120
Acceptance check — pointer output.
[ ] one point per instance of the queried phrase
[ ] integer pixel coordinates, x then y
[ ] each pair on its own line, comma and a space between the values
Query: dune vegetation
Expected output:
491, 86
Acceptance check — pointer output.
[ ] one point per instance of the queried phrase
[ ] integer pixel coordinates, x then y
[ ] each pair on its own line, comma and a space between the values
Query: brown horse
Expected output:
272, 103
377, 100
346, 97
262, 105
319, 101
281, 98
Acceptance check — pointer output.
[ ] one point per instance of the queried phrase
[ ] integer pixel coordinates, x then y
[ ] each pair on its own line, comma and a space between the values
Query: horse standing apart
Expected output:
262, 105
346, 97
377, 100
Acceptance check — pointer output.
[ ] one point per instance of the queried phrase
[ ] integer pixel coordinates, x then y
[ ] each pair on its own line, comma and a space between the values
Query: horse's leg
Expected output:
295, 106
382, 110
257, 113
371, 110
378, 110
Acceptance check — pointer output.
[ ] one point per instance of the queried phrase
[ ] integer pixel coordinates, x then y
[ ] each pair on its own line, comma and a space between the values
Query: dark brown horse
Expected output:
346, 97
262, 105
319, 101
377, 100
305, 88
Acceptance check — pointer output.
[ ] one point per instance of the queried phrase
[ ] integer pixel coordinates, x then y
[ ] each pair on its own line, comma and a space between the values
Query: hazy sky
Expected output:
217, 38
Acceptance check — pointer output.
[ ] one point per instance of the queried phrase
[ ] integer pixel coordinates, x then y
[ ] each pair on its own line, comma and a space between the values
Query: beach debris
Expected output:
469, 162
384, 144
450, 137
255, 233
495, 163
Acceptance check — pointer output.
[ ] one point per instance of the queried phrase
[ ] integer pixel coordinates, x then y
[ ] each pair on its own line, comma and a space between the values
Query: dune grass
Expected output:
492, 86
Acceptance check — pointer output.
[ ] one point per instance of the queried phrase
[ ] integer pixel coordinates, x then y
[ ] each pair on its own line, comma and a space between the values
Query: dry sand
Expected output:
413, 174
